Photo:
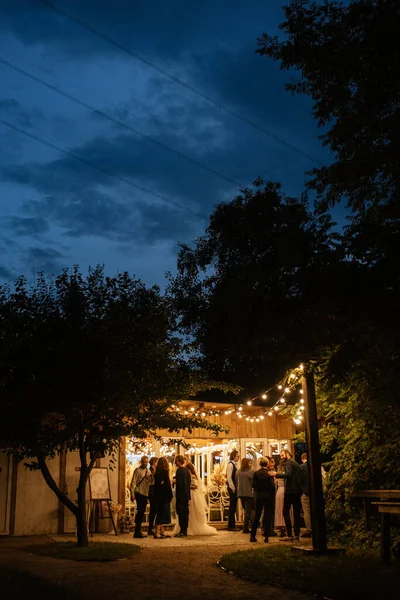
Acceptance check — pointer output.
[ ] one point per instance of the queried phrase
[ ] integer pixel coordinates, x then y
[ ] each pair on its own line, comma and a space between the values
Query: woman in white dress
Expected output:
198, 507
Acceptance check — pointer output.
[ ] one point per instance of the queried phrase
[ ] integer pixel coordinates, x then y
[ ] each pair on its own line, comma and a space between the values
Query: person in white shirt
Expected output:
231, 481
141, 481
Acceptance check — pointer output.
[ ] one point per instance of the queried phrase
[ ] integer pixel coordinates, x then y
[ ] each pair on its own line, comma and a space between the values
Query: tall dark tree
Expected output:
262, 289
84, 361
346, 56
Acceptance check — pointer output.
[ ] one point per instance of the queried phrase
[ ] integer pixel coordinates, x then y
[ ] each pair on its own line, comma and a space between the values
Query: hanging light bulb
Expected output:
186, 412
276, 408
192, 409
287, 390
292, 376
203, 414
240, 407
262, 417
302, 400
270, 413
240, 416
301, 367
264, 396
282, 400
301, 392
258, 420
227, 412
247, 418
280, 387
249, 402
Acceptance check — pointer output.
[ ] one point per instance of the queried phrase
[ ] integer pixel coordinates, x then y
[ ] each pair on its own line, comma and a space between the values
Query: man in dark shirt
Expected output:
263, 485
182, 482
293, 491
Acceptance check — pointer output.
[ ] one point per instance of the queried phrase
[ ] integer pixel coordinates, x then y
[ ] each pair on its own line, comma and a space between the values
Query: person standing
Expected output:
293, 491
153, 507
182, 494
271, 532
263, 484
231, 470
162, 497
244, 491
141, 481
279, 499
305, 497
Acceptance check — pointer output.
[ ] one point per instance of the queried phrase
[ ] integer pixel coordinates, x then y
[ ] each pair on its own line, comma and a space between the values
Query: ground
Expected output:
165, 570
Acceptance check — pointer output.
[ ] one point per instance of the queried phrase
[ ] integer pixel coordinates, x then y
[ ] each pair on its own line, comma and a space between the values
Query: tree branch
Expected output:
62, 496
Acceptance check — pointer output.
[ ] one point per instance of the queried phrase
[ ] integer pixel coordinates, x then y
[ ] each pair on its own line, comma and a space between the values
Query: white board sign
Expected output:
99, 484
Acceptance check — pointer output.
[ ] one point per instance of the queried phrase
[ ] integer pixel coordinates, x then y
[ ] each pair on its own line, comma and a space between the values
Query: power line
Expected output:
180, 82
53, 88
102, 169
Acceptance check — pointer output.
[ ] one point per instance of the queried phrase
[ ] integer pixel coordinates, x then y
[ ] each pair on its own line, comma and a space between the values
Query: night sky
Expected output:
56, 211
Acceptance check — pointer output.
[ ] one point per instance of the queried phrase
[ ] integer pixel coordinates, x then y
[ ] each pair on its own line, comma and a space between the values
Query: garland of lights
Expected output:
288, 385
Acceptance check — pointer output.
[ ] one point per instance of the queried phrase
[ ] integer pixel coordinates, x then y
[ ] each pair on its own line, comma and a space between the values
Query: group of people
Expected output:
277, 492
154, 485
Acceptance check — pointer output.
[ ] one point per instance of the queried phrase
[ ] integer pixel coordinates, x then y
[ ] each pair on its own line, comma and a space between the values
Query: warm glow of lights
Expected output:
186, 412
280, 387
203, 414
282, 400
257, 420
262, 417
301, 367
240, 407
301, 392
302, 400
227, 412
287, 390
292, 375
240, 416
276, 408
264, 396
270, 413
247, 418
192, 409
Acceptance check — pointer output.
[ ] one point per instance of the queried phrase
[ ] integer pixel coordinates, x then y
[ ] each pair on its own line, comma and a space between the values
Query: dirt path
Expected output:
179, 573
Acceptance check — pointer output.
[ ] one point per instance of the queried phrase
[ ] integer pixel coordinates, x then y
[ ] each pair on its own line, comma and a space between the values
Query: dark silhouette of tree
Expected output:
84, 361
263, 288
346, 56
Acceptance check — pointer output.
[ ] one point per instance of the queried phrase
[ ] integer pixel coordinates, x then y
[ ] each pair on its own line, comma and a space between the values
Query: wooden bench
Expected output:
387, 509
380, 496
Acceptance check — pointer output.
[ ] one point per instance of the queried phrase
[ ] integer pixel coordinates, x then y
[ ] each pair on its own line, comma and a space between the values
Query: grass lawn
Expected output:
16, 585
96, 551
355, 575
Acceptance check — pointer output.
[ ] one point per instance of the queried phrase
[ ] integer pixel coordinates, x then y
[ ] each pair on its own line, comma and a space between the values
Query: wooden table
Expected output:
380, 495
386, 509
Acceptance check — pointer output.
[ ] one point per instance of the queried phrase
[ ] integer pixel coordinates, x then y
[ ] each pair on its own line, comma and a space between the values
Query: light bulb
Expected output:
287, 390
240, 416
192, 409
186, 412
203, 414
292, 375
302, 400
249, 402
270, 413
257, 420
280, 387
261, 417
247, 418
301, 367
282, 400
240, 407
301, 392
227, 412
276, 408
264, 396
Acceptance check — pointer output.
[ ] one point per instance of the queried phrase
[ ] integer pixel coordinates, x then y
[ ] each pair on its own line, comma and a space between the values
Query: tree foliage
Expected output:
83, 362
255, 291
346, 56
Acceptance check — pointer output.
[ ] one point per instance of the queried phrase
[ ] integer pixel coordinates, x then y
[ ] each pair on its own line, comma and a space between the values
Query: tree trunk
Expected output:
81, 517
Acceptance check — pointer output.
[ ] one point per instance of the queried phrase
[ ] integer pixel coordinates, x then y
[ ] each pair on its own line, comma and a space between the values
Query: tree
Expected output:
84, 362
347, 55
263, 288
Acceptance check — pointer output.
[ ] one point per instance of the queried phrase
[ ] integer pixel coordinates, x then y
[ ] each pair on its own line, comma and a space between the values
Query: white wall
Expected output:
36, 510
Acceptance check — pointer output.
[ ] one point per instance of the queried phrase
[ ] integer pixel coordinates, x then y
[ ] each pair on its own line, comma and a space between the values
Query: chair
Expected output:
214, 502
224, 501
129, 505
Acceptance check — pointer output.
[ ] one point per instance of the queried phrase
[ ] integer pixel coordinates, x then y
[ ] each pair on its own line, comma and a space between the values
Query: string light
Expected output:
287, 390
249, 403
264, 396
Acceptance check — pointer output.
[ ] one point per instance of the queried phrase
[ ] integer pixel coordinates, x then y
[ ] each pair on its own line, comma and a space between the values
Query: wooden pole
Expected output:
318, 525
